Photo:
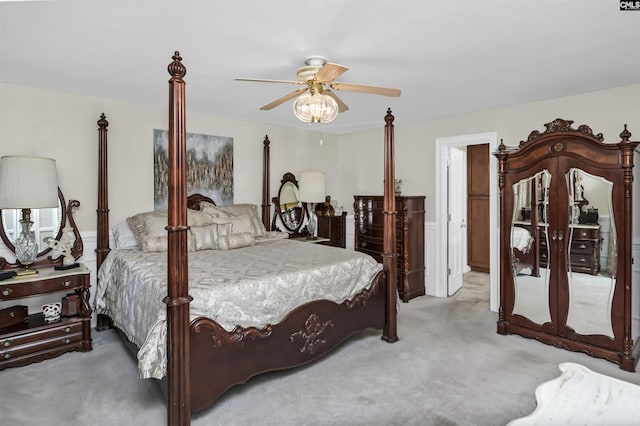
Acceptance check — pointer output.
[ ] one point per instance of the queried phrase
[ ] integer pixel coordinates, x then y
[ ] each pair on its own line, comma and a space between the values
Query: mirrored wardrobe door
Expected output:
530, 248
590, 253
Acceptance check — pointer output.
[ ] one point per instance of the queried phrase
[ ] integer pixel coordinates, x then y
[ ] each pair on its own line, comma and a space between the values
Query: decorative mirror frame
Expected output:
41, 260
299, 229
560, 149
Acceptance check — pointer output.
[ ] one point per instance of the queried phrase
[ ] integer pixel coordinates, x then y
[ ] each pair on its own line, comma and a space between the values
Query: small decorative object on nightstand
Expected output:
63, 322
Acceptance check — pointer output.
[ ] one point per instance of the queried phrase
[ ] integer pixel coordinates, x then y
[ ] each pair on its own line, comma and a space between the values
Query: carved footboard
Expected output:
221, 359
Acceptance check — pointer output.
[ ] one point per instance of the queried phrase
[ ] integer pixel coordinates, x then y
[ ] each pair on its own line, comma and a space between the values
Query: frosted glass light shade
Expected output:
28, 182
315, 108
312, 187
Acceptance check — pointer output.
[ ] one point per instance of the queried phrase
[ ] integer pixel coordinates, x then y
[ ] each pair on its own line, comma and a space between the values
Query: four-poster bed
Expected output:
204, 359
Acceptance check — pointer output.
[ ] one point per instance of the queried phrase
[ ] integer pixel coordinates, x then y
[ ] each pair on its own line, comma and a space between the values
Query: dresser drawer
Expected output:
585, 234
36, 341
20, 289
587, 247
374, 232
586, 261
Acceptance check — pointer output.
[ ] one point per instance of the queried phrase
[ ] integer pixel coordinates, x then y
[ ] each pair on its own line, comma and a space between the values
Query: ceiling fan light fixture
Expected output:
315, 108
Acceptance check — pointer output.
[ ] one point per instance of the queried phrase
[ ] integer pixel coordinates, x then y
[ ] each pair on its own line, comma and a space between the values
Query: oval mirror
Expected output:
290, 210
46, 223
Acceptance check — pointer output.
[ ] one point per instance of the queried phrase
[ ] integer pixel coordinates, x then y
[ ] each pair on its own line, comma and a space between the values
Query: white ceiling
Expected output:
448, 57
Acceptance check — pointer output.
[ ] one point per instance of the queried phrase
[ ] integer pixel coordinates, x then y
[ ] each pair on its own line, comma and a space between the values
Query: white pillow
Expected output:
123, 236
239, 223
237, 240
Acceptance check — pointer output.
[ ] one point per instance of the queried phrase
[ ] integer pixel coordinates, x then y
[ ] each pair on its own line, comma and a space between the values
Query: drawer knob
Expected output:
363, 244
583, 260
6, 291
6, 356
6, 343
66, 283
67, 341
67, 329
582, 246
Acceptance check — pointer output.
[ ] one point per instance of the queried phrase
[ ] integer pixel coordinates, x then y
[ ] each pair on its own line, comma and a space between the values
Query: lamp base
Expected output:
26, 273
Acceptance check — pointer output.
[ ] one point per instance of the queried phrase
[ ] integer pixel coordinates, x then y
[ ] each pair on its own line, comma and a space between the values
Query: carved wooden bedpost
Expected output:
102, 243
389, 250
178, 299
627, 147
266, 199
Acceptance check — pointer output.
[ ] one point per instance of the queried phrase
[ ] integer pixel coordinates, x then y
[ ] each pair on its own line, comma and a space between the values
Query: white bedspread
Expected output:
251, 286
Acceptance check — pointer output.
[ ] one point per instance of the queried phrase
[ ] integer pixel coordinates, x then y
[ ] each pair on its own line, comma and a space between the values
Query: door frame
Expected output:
441, 213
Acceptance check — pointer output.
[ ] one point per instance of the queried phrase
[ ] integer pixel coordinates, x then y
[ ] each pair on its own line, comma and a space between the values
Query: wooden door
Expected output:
478, 207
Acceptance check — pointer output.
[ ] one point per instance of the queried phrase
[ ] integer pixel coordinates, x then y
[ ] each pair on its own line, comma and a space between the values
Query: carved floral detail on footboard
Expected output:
362, 298
311, 334
238, 336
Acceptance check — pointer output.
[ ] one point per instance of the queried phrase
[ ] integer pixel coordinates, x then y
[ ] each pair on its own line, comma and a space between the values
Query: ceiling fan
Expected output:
316, 102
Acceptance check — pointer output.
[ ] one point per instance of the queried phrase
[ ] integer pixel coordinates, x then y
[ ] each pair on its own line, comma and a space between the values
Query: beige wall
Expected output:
63, 126
605, 112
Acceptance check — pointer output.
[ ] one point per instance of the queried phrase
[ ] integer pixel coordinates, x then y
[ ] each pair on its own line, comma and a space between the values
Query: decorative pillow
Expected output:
239, 223
155, 244
241, 210
198, 218
213, 210
123, 236
138, 225
205, 237
155, 226
234, 241
258, 227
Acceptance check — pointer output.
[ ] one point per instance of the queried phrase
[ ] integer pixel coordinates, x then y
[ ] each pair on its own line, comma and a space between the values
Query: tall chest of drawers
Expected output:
369, 224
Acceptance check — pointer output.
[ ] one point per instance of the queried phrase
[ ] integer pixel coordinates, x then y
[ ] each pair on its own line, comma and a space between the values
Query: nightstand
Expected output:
35, 340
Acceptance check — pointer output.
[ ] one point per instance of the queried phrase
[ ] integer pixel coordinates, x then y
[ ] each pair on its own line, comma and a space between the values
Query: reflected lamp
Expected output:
312, 190
27, 183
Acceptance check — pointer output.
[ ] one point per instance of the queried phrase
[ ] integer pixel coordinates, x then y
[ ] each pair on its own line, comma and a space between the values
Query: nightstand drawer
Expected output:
586, 234
20, 289
583, 247
20, 345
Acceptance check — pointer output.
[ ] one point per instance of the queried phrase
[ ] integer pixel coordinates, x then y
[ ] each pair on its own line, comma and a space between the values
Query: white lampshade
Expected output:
28, 182
312, 187
315, 108
288, 196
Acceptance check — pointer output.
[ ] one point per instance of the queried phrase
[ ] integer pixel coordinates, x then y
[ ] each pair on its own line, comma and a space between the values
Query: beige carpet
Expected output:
449, 368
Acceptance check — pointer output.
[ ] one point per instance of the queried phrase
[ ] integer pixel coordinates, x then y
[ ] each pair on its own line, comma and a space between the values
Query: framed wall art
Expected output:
209, 167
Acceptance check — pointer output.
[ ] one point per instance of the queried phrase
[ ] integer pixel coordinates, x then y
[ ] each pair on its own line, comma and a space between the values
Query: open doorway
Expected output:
443, 237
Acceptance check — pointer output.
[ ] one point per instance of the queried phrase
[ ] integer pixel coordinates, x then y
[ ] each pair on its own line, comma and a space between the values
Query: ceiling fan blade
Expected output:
270, 81
342, 107
361, 88
283, 99
330, 71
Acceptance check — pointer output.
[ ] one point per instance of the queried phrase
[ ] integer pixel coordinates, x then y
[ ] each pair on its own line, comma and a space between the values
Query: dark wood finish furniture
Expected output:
478, 207
561, 151
334, 228
289, 213
35, 340
369, 220
193, 348
584, 251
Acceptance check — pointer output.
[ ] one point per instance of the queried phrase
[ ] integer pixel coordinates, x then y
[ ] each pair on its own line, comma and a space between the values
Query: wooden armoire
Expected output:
369, 224
565, 242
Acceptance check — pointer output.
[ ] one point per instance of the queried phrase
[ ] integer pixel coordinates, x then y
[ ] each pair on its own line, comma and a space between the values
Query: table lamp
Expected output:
27, 183
312, 190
